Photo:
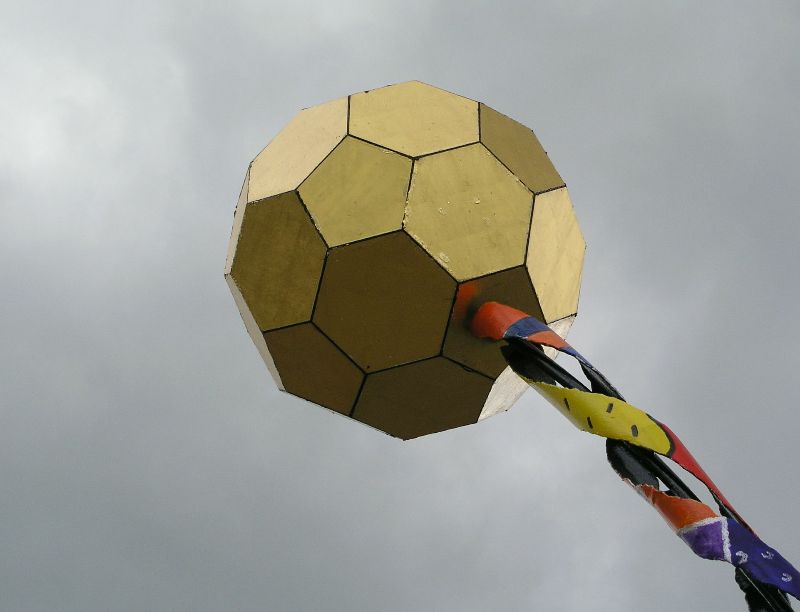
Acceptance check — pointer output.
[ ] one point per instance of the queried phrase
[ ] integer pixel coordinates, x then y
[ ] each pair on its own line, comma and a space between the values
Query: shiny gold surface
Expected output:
519, 149
468, 211
555, 254
422, 398
278, 261
414, 118
297, 149
384, 301
357, 192
345, 255
511, 287
320, 372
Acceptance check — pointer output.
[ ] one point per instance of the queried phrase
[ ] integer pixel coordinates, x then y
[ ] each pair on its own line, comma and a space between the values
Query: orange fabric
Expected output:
678, 512
465, 296
493, 319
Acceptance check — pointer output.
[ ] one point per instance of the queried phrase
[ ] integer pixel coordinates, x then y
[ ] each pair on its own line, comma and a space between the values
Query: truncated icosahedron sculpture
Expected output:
369, 230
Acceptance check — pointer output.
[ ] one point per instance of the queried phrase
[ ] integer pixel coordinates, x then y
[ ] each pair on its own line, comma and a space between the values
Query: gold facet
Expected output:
511, 287
384, 301
253, 331
238, 217
320, 372
278, 261
519, 149
298, 149
468, 211
414, 118
555, 254
358, 191
422, 398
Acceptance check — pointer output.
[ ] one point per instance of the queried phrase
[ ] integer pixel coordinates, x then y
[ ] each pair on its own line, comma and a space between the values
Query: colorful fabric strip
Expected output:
709, 535
497, 321
606, 416
714, 537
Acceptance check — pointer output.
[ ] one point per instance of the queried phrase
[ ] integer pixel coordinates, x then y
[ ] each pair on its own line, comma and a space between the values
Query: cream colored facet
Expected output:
357, 192
555, 254
468, 212
298, 149
506, 390
561, 327
414, 118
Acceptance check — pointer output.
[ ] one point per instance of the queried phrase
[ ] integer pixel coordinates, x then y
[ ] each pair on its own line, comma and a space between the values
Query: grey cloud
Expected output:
148, 464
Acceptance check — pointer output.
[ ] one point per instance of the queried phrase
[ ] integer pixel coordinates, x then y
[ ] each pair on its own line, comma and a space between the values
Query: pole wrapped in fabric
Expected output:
709, 535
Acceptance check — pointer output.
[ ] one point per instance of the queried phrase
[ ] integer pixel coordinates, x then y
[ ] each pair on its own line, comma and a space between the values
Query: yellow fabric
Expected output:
606, 416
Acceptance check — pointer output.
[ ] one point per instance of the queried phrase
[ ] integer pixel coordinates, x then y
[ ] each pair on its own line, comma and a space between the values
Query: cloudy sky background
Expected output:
147, 462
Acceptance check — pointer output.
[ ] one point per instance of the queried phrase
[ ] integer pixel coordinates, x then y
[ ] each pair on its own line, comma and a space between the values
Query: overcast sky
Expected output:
148, 463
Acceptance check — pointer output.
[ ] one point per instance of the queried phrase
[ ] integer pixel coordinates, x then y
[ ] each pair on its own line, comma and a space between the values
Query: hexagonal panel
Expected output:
297, 149
422, 398
358, 191
314, 368
468, 211
555, 254
278, 261
384, 301
414, 118
511, 287
519, 149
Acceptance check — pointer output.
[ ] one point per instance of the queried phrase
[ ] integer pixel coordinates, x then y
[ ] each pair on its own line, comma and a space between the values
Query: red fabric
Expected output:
681, 455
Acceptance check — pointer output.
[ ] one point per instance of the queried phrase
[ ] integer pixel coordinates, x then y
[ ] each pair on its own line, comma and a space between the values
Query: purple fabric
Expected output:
531, 325
708, 540
760, 561
725, 539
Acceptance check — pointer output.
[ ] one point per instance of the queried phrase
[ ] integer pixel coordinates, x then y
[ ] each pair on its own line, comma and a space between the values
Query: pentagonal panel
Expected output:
519, 149
314, 368
511, 287
384, 301
414, 118
422, 398
468, 211
358, 191
555, 254
297, 149
278, 261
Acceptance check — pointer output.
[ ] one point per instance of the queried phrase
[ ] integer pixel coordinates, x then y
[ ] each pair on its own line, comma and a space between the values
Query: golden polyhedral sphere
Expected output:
369, 230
